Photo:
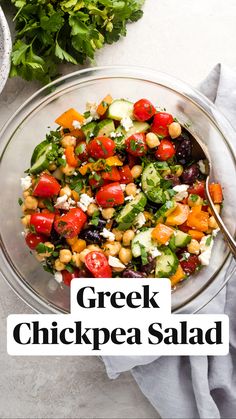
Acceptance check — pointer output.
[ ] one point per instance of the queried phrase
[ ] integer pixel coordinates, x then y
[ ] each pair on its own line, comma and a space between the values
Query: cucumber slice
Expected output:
166, 264
42, 162
104, 128
38, 151
143, 238
158, 196
120, 109
127, 215
150, 178
136, 128
88, 129
165, 210
182, 239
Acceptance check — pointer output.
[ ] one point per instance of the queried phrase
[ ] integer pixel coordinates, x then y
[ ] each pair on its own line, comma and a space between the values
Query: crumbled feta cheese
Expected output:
126, 123
64, 202
92, 108
63, 157
75, 174
181, 192
140, 220
204, 257
58, 277
76, 124
129, 198
114, 134
107, 234
26, 182
206, 243
60, 201
202, 167
88, 120
185, 256
154, 252
115, 262
85, 201
123, 186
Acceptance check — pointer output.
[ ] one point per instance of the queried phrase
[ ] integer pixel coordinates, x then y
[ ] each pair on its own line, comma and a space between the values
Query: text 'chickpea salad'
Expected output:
115, 192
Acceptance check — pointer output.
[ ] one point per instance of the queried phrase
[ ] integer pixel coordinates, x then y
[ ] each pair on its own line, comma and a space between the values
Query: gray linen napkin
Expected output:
194, 387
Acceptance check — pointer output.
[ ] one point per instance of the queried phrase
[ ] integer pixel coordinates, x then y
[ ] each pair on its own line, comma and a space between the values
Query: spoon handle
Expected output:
228, 237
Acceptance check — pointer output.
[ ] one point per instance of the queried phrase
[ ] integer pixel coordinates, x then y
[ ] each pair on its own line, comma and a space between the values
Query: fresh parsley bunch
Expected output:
51, 32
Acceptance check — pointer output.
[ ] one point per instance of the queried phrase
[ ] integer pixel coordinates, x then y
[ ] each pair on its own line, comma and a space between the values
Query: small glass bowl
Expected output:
32, 121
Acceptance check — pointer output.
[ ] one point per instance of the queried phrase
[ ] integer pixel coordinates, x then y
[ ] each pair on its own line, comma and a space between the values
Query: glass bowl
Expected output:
28, 127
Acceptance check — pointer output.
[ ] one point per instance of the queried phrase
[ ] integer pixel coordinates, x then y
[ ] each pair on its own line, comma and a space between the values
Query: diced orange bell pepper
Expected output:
66, 119
70, 156
198, 219
78, 133
103, 106
178, 216
114, 161
197, 235
162, 233
85, 168
178, 276
113, 174
216, 193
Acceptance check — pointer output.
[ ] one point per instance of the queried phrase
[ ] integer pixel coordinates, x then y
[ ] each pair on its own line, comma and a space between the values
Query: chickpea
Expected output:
67, 170
108, 213
152, 140
58, 265
94, 248
111, 249
212, 223
128, 237
193, 247
175, 130
136, 171
118, 234
48, 253
65, 191
26, 193
131, 189
118, 269
125, 255
65, 256
26, 220
31, 203
84, 253
52, 167
68, 140
76, 260
92, 208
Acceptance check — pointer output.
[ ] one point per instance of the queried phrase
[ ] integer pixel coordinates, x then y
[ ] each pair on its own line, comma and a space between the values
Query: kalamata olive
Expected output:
150, 266
130, 273
84, 273
55, 238
91, 235
101, 223
184, 151
190, 174
174, 179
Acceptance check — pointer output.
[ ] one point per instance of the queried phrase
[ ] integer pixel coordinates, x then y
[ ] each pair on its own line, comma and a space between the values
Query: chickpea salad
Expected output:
116, 192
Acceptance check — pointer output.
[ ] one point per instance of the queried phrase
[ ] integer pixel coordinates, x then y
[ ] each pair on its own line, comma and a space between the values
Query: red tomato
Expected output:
113, 174
47, 186
96, 181
96, 262
189, 266
71, 160
81, 151
198, 189
125, 174
42, 222
160, 123
101, 148
184, 227
143, 110
32, 240
136, 144
71, 223
110, 195
165, 150
68, 276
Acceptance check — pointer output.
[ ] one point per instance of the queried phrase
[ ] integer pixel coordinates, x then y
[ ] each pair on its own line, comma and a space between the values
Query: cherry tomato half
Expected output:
97, 263
110, 195
190, 265
32, 240
160, 123
70, 224
165, 150
125, 174
42, 222
101, 148
136, 144
112, 174
198, 188
143, 110
68, 276
81, 151
47, 186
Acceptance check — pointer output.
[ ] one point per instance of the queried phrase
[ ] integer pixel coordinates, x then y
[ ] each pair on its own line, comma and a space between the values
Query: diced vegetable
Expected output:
70, 156
178, 276
178, 216
198, 219
162, 233
119, 109
143, 240
103, 105
166, 264
197, 235
216, 193
66, 119
126, 217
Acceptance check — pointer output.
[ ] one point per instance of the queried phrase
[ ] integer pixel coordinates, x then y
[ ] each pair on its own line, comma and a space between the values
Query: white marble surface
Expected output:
185, 38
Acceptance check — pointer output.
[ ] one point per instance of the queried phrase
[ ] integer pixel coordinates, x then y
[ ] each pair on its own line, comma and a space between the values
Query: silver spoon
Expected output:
200, 152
